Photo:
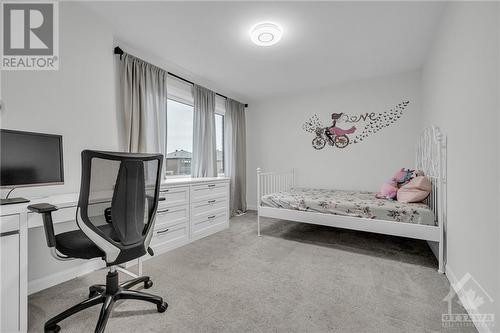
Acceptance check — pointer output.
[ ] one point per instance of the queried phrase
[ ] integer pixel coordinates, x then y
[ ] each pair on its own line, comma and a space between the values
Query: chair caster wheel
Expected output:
162, 307
148, 284
52, 329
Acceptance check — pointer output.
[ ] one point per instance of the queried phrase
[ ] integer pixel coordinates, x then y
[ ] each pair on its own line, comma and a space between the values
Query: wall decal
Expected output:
342, 136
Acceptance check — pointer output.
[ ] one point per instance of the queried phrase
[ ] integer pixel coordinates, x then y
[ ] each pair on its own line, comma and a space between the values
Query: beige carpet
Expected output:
295, 278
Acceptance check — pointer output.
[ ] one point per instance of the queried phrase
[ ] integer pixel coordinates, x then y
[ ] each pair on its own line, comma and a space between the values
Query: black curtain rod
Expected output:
120, 52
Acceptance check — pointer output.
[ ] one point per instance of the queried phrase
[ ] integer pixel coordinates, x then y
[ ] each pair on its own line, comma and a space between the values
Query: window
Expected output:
179, 138
219, 142
180, 129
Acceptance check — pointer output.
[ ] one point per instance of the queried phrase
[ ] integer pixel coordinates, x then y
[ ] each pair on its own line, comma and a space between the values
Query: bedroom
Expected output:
260, 110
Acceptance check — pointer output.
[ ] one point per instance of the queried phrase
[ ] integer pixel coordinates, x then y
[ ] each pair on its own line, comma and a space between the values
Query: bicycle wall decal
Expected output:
339, 137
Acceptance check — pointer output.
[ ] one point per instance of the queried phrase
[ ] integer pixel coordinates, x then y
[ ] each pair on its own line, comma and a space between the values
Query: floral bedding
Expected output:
350, 203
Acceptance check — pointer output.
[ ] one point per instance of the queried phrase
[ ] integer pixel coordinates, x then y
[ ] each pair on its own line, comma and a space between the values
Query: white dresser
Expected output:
193, 208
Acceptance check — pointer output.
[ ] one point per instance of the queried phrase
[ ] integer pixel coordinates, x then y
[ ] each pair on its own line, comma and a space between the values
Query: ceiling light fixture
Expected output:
266, 33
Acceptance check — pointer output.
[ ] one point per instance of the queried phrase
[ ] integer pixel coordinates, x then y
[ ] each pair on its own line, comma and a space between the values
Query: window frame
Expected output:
182, 92
222, 113
187, 103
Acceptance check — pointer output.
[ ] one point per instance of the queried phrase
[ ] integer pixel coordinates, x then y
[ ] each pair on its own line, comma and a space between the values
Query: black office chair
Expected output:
115, 215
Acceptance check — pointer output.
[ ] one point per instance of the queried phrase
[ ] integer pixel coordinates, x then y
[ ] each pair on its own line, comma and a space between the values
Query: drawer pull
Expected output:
162, 199
161, 231
211, 185
211, 201
162, 211
211, 217
164, 191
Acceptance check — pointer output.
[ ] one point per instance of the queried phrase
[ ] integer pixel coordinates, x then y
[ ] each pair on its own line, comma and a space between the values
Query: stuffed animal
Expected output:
403, 176
389, 190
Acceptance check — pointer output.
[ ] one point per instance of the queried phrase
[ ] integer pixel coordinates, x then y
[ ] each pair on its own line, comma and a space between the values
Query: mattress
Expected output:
350, 203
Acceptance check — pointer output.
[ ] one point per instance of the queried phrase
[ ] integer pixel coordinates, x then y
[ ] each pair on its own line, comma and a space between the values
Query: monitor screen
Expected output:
30, 158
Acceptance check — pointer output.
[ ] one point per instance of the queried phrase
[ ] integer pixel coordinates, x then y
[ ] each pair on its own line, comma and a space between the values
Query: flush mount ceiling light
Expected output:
266, 33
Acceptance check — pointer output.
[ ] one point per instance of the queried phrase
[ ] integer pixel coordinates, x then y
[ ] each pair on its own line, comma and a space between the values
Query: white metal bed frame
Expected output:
430, 158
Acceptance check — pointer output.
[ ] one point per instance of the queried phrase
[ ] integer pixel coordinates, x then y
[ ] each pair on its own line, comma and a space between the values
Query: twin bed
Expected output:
278, 197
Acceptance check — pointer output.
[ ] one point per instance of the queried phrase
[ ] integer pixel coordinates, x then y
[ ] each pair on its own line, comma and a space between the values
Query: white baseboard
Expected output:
465, 301
62, 276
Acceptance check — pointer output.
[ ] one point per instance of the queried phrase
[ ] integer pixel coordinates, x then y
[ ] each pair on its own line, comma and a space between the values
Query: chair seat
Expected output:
76, 244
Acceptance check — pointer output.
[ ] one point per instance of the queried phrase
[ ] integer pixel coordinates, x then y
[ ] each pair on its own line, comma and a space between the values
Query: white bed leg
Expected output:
258, 224
441, 257
259, 196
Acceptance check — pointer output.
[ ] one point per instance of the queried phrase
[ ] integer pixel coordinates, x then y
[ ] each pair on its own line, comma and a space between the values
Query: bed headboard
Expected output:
431, 159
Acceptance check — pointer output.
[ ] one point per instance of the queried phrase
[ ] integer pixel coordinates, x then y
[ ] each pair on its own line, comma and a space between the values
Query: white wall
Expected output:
460, 94
276, 140
77, 101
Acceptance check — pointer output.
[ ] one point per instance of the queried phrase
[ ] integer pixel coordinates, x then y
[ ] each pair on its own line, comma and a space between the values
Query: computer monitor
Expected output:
30, 159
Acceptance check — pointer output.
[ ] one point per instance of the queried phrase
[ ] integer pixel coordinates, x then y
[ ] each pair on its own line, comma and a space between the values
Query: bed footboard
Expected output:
272, 182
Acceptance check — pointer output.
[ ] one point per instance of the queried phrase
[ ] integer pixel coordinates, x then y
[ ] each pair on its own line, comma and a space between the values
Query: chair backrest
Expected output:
118, 201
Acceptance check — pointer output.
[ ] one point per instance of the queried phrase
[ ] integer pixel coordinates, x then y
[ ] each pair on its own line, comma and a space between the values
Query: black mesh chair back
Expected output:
118, 201
116, 216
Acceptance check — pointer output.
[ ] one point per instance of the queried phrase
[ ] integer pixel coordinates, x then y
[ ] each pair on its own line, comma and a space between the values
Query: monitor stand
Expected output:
12, 201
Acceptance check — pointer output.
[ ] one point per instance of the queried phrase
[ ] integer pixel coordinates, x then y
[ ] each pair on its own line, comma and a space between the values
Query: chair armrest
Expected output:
42, 208
46, 210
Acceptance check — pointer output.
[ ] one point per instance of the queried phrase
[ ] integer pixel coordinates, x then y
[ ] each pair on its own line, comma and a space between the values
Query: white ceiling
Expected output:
324, 43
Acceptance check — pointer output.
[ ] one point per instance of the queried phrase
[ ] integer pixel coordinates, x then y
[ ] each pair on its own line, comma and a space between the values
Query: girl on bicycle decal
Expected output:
334, 130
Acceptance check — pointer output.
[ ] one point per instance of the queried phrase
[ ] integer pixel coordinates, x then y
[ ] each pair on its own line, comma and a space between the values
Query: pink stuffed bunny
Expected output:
389, 190
403, 176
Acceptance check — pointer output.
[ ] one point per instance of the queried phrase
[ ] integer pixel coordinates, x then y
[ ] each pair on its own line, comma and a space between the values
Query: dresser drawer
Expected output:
207, 207
209, 191
174, 196
208, 221
171, 216
9, 223
166, 237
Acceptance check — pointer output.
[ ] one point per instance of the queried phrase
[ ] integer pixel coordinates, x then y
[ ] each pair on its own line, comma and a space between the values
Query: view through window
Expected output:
179, 138
219, 142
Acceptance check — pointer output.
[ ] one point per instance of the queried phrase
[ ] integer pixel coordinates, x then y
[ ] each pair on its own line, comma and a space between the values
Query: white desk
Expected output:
194, 208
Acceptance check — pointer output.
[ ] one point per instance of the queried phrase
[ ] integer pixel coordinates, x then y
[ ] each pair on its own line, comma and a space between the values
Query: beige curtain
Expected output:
235, 154
204, 161
144, 105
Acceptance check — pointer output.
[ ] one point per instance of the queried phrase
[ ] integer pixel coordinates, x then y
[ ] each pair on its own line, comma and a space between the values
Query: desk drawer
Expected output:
174, 196
208, 221
209, 191
206, 207
9, 223
171, 216
164, 237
